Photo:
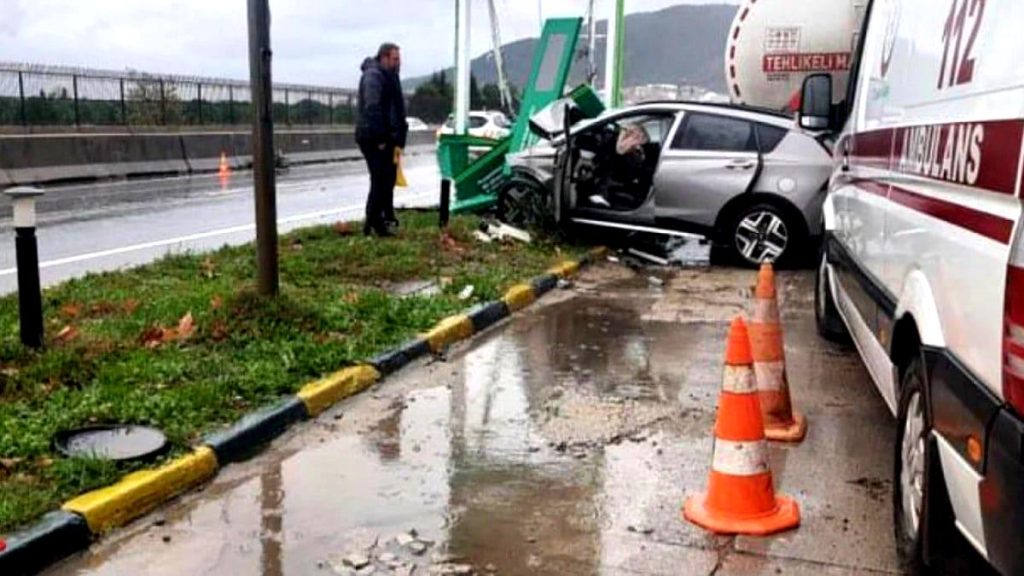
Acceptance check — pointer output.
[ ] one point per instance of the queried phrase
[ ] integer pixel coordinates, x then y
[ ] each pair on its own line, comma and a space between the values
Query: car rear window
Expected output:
769, 137
712, 133
477, 122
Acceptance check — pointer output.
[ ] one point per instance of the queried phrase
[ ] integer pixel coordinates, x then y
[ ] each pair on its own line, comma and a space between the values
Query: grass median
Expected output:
185, 344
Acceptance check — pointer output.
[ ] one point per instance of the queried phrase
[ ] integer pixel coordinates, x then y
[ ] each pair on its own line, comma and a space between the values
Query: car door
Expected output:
712, 158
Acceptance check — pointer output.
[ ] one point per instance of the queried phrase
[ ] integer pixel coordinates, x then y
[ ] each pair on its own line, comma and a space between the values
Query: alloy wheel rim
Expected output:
912, 455
762, 237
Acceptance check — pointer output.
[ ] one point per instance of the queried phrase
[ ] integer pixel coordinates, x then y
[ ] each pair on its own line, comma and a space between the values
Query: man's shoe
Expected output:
383, 232
367, 230
392, 223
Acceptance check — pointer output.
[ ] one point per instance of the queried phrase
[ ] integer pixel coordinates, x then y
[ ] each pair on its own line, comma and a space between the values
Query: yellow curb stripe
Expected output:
140, 492
565, 269
320, 395
519, 297
448, 332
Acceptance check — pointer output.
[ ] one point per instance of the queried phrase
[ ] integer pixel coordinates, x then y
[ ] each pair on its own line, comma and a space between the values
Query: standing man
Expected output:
381, 130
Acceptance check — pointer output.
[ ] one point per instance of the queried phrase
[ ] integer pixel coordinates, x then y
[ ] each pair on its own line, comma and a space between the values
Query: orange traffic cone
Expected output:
781, 422
225, 169
741, 496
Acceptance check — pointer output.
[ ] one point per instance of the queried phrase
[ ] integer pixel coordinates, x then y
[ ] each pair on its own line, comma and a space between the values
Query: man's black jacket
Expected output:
381, 107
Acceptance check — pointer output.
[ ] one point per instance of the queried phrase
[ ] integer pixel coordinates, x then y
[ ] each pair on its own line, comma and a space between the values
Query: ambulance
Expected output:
923, 264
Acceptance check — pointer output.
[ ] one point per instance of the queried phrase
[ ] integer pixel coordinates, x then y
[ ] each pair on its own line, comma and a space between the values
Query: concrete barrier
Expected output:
43, 159
48, 158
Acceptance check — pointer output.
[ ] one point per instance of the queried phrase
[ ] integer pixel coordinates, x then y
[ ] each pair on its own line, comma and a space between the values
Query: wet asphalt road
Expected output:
105, 226
562, 442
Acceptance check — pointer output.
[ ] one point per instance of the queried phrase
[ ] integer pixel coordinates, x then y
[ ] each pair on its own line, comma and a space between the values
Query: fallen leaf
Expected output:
343, 229
152, 337
71, 310
186, 326
130, 306
219, 332
44, 462
10, 463
67, 334
102, 308
216, 303
351, 298
209, 267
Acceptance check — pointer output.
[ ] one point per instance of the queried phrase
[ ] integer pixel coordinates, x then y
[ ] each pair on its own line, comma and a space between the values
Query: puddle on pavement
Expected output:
561, 444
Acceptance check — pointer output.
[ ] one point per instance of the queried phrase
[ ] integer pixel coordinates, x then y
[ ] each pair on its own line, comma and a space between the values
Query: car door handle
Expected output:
740, 165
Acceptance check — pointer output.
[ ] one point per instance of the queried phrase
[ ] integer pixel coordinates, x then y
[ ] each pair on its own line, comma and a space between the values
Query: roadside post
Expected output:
30, 298
260, 57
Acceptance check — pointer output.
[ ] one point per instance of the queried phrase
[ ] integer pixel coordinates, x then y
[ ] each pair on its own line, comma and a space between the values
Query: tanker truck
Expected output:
774, 44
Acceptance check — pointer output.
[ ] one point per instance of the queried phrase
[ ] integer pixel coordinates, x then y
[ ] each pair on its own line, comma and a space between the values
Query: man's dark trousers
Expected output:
383, 172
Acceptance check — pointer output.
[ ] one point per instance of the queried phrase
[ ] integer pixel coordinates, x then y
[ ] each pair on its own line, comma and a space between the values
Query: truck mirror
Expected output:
816, 102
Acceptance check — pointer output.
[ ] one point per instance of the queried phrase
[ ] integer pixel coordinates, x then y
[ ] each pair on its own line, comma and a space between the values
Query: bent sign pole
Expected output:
260, 57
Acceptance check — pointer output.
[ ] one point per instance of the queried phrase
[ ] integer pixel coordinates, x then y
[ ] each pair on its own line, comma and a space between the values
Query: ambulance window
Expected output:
769, 137
710, 133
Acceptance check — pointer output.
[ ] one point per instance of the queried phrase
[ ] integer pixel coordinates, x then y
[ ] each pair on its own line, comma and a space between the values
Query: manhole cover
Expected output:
119, 443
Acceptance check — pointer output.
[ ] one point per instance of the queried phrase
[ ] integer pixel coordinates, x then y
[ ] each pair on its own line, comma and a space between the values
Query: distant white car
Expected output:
417, 125
492, 125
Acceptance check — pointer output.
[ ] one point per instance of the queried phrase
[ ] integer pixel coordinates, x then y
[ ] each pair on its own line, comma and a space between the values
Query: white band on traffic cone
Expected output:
740, 458
766, 310
770, 375
739, 380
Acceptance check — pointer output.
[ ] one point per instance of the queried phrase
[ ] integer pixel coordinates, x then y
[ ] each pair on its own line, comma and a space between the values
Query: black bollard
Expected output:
30, 298
446, 201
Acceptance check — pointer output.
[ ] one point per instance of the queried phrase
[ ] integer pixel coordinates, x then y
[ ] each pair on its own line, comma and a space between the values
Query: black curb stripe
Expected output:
544, 284
486, 315
55, 537
246, 437
395, 360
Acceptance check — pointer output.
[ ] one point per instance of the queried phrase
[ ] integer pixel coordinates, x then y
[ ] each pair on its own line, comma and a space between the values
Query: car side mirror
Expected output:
816, 102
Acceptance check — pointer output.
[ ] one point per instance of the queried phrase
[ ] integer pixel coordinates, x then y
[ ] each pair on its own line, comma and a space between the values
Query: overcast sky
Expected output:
319, 42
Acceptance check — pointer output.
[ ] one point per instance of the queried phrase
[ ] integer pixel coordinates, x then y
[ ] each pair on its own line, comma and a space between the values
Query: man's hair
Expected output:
386, 49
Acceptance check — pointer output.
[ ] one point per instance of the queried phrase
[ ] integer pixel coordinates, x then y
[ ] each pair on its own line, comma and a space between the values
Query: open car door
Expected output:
565, 169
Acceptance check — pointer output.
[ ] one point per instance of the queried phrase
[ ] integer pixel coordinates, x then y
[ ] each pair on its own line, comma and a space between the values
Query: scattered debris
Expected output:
503, 232
418, 548
344, 229
655, 281
404, 539
640, 529
67, 334
467, 292
482, 237
564, 284
649, 257
357, 561
614, 260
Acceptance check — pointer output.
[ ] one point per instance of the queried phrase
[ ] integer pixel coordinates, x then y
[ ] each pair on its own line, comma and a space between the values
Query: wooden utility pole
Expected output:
260, 57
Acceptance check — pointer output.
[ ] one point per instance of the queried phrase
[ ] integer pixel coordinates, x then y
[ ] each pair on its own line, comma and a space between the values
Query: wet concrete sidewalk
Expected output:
562, 443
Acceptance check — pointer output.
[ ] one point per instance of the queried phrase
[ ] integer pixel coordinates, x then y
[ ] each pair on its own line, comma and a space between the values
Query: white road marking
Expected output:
201, 236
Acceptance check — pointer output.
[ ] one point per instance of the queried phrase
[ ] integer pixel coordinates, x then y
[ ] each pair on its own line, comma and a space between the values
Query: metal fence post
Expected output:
124, 105
163, 105
287, 108
330, 104
21, 93
309, 108
231, 104
199, 90
74, 91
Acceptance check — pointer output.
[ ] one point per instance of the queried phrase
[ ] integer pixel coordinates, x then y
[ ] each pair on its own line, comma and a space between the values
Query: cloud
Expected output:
319, 42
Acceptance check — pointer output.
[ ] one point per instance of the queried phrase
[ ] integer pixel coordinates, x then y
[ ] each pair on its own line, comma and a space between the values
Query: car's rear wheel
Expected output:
763, 233
525, 203
826, 314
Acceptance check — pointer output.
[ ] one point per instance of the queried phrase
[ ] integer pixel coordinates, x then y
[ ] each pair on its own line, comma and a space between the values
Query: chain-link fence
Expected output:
32, 95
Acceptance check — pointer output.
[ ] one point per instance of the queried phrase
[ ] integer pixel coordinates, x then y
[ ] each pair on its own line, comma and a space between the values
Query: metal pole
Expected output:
309, 108
163, 105
613, 57
74, 91
30, 298
21, 95
260, 59
330, 104
124, 106
231, 104
462, 74
199, 89
287, 107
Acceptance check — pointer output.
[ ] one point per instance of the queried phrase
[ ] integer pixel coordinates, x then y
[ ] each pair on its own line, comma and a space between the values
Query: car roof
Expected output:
754, 114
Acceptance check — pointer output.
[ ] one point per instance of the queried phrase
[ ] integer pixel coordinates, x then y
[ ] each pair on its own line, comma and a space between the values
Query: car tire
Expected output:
928, 542
763, 232
525, 203
826, 314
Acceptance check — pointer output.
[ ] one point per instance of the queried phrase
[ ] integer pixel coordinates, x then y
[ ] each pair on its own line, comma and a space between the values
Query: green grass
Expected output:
334, 310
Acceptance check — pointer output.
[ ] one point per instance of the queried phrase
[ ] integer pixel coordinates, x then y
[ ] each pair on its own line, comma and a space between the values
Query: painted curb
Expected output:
519, 297
71, 529
393, 361
483, 316
449, 331
53, 538
139, 492
322, 394
256, 430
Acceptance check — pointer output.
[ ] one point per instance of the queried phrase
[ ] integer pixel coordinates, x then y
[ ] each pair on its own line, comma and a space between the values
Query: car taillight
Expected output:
1013, 339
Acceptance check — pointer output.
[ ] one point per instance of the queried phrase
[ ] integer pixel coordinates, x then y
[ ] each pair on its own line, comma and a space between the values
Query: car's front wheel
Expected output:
763, 233
525, 203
